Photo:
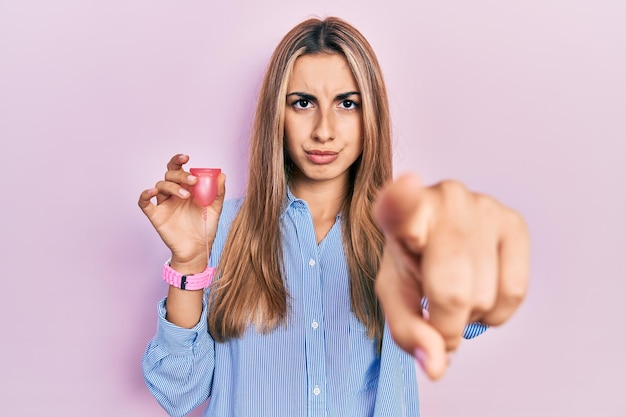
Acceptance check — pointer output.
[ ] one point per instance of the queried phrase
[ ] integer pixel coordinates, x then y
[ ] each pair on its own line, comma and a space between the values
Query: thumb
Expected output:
221, 188
429, 349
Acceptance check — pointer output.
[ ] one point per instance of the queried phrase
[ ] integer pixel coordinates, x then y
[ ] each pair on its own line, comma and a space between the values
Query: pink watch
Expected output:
188, 282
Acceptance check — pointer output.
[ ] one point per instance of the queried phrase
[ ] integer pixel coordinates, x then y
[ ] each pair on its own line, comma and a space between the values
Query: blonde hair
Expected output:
250, 288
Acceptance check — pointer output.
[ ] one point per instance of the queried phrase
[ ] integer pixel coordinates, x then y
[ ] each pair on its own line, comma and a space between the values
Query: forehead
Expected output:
322, 73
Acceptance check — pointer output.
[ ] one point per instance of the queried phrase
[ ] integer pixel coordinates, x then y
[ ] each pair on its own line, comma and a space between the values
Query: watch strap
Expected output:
190, 281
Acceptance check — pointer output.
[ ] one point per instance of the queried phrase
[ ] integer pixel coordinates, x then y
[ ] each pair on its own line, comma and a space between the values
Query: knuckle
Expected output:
514, 294
453, 189
448, 279
519, 223
483, 304
449, 297
414, 241
498, 316
485, 204
516, 222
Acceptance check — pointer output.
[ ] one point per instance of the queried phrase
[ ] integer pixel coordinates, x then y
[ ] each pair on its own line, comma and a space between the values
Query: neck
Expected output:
324, 199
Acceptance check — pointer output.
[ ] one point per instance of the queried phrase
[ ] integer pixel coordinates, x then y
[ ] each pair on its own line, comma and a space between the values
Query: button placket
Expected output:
313, 313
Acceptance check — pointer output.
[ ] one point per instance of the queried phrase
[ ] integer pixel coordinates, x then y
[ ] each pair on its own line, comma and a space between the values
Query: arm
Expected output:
465, 252
179, 222
178, 364
179, 361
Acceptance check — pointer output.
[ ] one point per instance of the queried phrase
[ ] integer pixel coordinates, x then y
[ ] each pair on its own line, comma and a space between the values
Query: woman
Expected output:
292, 325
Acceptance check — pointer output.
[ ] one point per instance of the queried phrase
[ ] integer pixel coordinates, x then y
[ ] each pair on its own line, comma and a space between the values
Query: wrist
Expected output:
188, 265
187, 281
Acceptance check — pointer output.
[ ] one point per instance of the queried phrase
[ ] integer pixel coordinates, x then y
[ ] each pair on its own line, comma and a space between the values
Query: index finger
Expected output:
177, 162
400, 214
400, 297
403, 212
144, 200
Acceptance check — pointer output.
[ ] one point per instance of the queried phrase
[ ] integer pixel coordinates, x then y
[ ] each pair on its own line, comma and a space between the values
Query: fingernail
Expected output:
183, 192
420, 358
191, 178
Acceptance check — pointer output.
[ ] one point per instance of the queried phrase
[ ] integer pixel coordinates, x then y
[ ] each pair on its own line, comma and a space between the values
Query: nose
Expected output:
324, 129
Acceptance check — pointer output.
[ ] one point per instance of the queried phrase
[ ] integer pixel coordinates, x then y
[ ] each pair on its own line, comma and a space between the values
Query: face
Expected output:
323, 120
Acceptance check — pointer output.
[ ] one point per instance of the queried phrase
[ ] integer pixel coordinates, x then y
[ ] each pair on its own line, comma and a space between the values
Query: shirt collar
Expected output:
295, 202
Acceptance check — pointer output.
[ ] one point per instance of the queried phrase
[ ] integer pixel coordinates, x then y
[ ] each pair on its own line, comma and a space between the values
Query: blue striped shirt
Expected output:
320, 363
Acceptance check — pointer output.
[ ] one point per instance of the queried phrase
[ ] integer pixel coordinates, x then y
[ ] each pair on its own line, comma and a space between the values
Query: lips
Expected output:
321, 157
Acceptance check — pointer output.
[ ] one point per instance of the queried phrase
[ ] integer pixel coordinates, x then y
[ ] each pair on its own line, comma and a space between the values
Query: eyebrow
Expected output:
310, 97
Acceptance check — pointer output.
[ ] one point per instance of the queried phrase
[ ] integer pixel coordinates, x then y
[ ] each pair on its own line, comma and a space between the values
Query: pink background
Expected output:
522, 100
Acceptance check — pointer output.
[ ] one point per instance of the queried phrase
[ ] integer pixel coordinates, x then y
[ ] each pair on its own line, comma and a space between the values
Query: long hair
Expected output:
250, 288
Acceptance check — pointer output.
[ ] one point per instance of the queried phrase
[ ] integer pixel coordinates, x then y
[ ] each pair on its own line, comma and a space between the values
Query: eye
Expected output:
301, 103
349, 104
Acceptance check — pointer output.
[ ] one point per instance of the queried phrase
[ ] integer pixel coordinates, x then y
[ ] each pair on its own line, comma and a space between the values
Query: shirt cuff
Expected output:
471, 329
178, 340
474, 329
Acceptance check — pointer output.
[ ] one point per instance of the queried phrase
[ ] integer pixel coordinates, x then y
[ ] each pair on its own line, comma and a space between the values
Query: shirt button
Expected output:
312, 262
317, 390
315, 324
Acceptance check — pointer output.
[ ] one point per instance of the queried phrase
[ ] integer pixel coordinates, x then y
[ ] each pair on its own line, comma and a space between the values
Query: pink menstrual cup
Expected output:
205, 190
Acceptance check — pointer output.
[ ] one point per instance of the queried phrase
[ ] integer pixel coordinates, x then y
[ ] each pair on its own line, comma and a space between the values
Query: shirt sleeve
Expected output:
471, 329
474, 329
178, 364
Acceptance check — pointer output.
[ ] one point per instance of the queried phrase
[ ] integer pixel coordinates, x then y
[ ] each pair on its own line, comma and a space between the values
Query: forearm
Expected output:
178, 364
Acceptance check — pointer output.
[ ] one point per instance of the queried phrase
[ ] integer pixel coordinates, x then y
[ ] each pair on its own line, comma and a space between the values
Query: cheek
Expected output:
291, 129
289, 147
356, 132
290, 142
288, 133
297, 131
353, 127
